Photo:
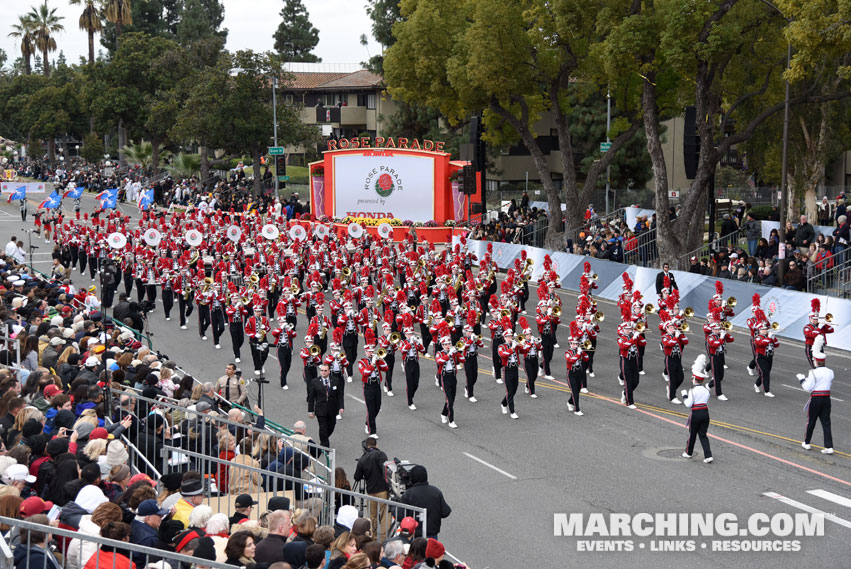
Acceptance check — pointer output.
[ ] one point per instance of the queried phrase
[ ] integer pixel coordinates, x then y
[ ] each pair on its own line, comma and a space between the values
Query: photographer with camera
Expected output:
424, 495
231, 386
370, 469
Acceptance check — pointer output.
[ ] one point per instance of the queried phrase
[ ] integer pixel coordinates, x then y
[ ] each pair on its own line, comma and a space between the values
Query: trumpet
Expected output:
395, 338
599, 317
380, 353
688, 312
587, 346
684, 327
640, 327
828, 318
459, 345
594, 277
505, 313
557, 311
727, 325
731, 302
649, 309
520, 338
315, 350
775, 325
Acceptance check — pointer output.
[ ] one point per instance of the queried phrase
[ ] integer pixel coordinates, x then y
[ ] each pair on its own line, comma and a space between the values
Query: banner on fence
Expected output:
31, 187
632, 213
767, 226
790, 309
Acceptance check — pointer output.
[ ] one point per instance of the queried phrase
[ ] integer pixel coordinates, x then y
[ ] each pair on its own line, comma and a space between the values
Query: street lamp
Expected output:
234, 71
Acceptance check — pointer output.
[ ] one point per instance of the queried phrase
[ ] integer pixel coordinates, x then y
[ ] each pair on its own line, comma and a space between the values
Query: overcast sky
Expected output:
250, 24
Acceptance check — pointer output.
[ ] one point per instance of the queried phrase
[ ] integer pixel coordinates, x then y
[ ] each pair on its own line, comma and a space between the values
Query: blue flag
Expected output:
52, 201
146, 198
18, 194
74, 193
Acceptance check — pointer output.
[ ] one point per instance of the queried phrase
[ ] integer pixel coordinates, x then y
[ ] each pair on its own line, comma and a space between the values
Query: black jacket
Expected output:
660, 282
424, 495
325, 403
370, 468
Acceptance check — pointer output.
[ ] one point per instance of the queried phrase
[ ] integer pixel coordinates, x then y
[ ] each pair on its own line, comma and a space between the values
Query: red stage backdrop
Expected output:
387, 178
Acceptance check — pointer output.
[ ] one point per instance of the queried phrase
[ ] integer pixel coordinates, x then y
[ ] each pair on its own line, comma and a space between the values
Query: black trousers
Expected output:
75, 255
752, 363
151, 291
449, 384
140, 290
237, 336
258, 353
390, 360
93, 266
698, 423
511, 382
497, 359
128, 283
763, 368
641, 355
184, 308
531, 365
548, 343
716, 363
808, 351
574, 380
217, 316
471, 370
203, 319
412, 377
83, 260
285, 359
327, 423
819, 409
350, 347
589, 365
426, 334
629, 372
674, 371
372, 397
168, 301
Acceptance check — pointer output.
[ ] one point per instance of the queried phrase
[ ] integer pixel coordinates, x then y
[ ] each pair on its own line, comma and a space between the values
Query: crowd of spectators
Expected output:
519, 224
66, 414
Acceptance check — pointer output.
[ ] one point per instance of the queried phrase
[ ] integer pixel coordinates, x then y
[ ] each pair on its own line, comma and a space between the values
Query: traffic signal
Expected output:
280, 165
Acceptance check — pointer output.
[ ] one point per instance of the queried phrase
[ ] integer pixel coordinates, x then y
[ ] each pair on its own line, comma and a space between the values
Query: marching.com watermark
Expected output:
685, 532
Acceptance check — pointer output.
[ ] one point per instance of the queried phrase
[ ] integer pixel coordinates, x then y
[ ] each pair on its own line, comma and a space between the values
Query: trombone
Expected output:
727, 325
640, 327
557, 311
395, 338
688, 312
731, 302
460, 345
599, 317
315, 350
684, 327
380, 353
587, 346
649, 309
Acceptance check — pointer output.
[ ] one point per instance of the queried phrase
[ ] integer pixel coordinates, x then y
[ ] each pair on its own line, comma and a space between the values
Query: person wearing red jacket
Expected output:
765, 344
257, 329
283, 337
410, 348
168, 293
217, 314
183, 290
547, 324
288, 306
589, 329
472, 345
575, 358
510, 353
348, 322
673, 343
753, 326
371, 368
337, 362
448, 362
813, 330
532, 349
717, 342
390, 358
629, 341
236, 313
497, 339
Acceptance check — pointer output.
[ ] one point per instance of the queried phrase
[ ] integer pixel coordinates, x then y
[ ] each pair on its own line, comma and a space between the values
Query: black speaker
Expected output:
691, 143
478, 208
468, 181
478, 145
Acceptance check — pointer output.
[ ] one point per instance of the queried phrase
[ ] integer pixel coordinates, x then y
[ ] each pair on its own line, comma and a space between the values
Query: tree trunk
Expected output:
122, 142
667, 239
46, 64
51, 150
255, 187
155, 155
204, 155
28, 69
91, 47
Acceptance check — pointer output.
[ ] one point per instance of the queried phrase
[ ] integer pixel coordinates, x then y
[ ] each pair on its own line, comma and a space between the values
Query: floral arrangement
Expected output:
417, 224
370, 222
408, 222
456, 175
430, 223
318, 170
449, 223
325, 219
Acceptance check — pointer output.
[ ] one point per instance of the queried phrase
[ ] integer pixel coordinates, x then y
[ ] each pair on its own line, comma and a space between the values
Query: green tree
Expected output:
24, 30
45, 24
296, 36
92, 150
199, 20
119, 13
90, 22
184, 165
384, 15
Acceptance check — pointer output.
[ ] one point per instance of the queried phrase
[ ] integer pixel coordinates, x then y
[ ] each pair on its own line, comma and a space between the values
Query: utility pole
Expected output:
608, 127
781, 234
275, 126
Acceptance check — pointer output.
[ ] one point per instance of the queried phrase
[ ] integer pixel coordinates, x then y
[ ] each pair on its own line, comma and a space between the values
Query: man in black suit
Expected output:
325, 402
660, 279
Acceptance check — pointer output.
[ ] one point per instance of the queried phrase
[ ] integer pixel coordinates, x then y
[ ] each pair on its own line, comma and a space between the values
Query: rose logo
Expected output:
384, 185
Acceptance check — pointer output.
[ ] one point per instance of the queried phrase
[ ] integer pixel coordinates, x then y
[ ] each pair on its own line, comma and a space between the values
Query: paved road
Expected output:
506, 479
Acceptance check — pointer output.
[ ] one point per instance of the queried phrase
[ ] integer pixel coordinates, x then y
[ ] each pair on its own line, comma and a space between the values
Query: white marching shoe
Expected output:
514, 416
583, 390
465, 394
827, 451
676, 401
755, 388
665, 377
390, 393
218, 346
686, 455
578, 413
412, 407
620, 381
642, 372
750, 371
237, 360
769, 394
204, 338
807, 446
498, 380
534, 396
183, 327
708, 459
473, 399
623, 398
285, 387
443, 419
385, 388
504, 409
349, 379
726, 366
569, 406
592, 374
339, 417
722, 398
632, 406
526, 388
452, 425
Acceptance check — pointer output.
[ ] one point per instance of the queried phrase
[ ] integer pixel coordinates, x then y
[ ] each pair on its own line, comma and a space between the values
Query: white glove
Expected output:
801, 377
684, 393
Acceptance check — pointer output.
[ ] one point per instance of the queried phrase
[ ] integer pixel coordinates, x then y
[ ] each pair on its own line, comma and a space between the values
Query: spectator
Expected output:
271, 548
729, 230
81, 550
841, 236
804, 235
342, 550
144, 530
370, 469
424, 495
752, 230
394, 555
242, 508
245, 480
793, 277
240, 550
192, 495
824, 212
35, 553
109, 556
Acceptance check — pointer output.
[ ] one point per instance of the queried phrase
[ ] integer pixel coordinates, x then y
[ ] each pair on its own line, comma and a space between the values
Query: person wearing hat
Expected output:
18, 476
629, 341
424, 495
697, 399
673, 343
371, 367
191, 495
144, 529
575, 358
510, 353
434, 551
764, 344
242, 506
33, 506
407, 530
817, 382
448, 361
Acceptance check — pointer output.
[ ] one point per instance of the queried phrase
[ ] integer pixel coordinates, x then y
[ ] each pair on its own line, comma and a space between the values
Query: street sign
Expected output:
605, 146
283, 178
674, 194
276, 150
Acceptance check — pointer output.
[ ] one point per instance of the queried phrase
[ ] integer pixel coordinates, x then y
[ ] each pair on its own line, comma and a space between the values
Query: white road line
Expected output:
799, 389
489, 465
806, 508
836, 498
361, 401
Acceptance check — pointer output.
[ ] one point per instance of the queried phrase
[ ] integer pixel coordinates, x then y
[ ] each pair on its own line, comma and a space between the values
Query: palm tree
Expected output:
91, 22
184, 165
140, 153
119, 13
24, 30
46, 23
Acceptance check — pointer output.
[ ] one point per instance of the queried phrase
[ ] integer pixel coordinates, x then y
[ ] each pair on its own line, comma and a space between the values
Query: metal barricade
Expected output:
198, 431
105, 553
684, 261
835, 281
284, 476
12, 345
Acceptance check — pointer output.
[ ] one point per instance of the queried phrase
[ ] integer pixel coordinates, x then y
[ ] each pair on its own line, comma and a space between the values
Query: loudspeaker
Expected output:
468, 181
691, 143
478, 208
478, 145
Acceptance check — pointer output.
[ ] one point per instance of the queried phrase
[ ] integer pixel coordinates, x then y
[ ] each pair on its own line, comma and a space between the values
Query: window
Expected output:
289, 99
370, 100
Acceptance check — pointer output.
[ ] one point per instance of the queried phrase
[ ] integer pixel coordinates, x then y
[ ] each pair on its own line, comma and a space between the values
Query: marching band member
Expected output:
183, 286
384, 341
497, 339
531, 347
817, 382
410, 348
717, 340
370, 368
236, 313
472, 344
547, 323
168, 293
203, 298
629, 340
765, 344
753, 326
639, 317
310, 356
575, 358
256, 329
322, 323
283, 337
813, 330
288, 304
509, 353
448, 362
697, 399
139, 276
673, 343
217, 314
337, 362
349, 321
